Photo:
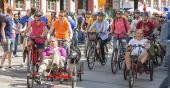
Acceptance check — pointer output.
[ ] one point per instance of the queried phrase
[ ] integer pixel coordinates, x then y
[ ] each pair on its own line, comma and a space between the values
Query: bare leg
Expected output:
3, 58
143, 57
9, 58
127, 60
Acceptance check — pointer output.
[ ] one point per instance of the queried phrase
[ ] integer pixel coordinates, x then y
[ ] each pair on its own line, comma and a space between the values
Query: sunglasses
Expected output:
117, 13
38, 15
61, 16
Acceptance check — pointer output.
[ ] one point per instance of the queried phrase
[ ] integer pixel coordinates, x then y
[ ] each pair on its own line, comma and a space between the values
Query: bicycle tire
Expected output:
151, 67
77, 51
30, 71
124, 71
91, 56
131, 79
114, 61
74, 78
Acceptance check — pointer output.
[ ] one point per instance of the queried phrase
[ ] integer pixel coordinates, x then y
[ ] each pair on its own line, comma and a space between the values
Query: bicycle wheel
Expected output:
75, 52
124, 71
31, 77
80, 71
114, 61
87, 51
151, 69
74, 77
30, 71
91, 58
131, 79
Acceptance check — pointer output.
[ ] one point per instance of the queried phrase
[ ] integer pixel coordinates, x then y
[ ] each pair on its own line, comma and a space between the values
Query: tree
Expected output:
136, 4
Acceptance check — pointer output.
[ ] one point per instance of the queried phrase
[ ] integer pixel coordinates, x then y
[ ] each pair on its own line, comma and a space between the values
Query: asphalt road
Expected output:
99, 77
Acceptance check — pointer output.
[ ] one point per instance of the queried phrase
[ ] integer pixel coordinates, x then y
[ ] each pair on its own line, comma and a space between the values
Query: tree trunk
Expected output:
135, 4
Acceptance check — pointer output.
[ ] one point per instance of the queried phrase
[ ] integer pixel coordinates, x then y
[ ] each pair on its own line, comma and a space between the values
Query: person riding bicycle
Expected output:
136, 19
145, 24
101, 25
61, 27
52, 55
120, 28
37, 33
137, 47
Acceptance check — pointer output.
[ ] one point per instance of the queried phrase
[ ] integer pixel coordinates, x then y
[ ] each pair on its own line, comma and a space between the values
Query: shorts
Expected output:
39, 45
9, 46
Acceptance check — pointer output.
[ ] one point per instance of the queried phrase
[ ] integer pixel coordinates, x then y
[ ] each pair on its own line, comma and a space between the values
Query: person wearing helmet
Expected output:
101, 25
145, 24
91, 20
135, 21
37, 33
120, 28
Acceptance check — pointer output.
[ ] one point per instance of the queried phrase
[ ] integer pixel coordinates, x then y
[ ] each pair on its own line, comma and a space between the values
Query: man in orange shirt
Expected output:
61, 27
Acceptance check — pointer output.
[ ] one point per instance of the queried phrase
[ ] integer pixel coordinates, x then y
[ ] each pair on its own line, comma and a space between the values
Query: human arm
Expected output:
105, 26
70, 32
51, 30
3, 24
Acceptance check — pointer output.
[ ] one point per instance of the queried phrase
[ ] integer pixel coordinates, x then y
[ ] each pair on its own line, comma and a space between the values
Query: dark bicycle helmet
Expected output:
100, 14
38, 13
137, 12
118, 11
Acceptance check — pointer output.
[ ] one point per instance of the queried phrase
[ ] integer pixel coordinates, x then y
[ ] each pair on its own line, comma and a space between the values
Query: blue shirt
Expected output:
24, 20
9, 27
72, 22
101, 28
44, 19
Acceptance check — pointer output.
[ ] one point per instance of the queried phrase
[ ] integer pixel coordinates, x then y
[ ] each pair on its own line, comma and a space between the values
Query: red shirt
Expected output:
146, 26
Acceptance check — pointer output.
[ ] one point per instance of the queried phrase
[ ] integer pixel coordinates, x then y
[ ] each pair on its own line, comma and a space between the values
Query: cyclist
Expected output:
37, 32
134, 49
52, 55
145, 24
62, 28
120, 28
101, 25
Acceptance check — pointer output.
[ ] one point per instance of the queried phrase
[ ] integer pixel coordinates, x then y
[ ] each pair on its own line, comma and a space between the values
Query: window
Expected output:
35, 3
155, 4
51, 5
19, 4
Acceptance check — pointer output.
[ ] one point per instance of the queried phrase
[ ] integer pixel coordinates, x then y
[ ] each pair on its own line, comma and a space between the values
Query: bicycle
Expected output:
118, 54
94, 51
74, 55
136, 68
32, 64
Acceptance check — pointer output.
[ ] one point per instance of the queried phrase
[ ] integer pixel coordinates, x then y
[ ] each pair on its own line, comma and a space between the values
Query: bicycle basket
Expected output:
92, 36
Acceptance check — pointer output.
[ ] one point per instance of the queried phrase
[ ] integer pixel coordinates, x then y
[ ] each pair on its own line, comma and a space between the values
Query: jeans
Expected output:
16, 44
102, 44
81, 36
75, 38
114, 41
